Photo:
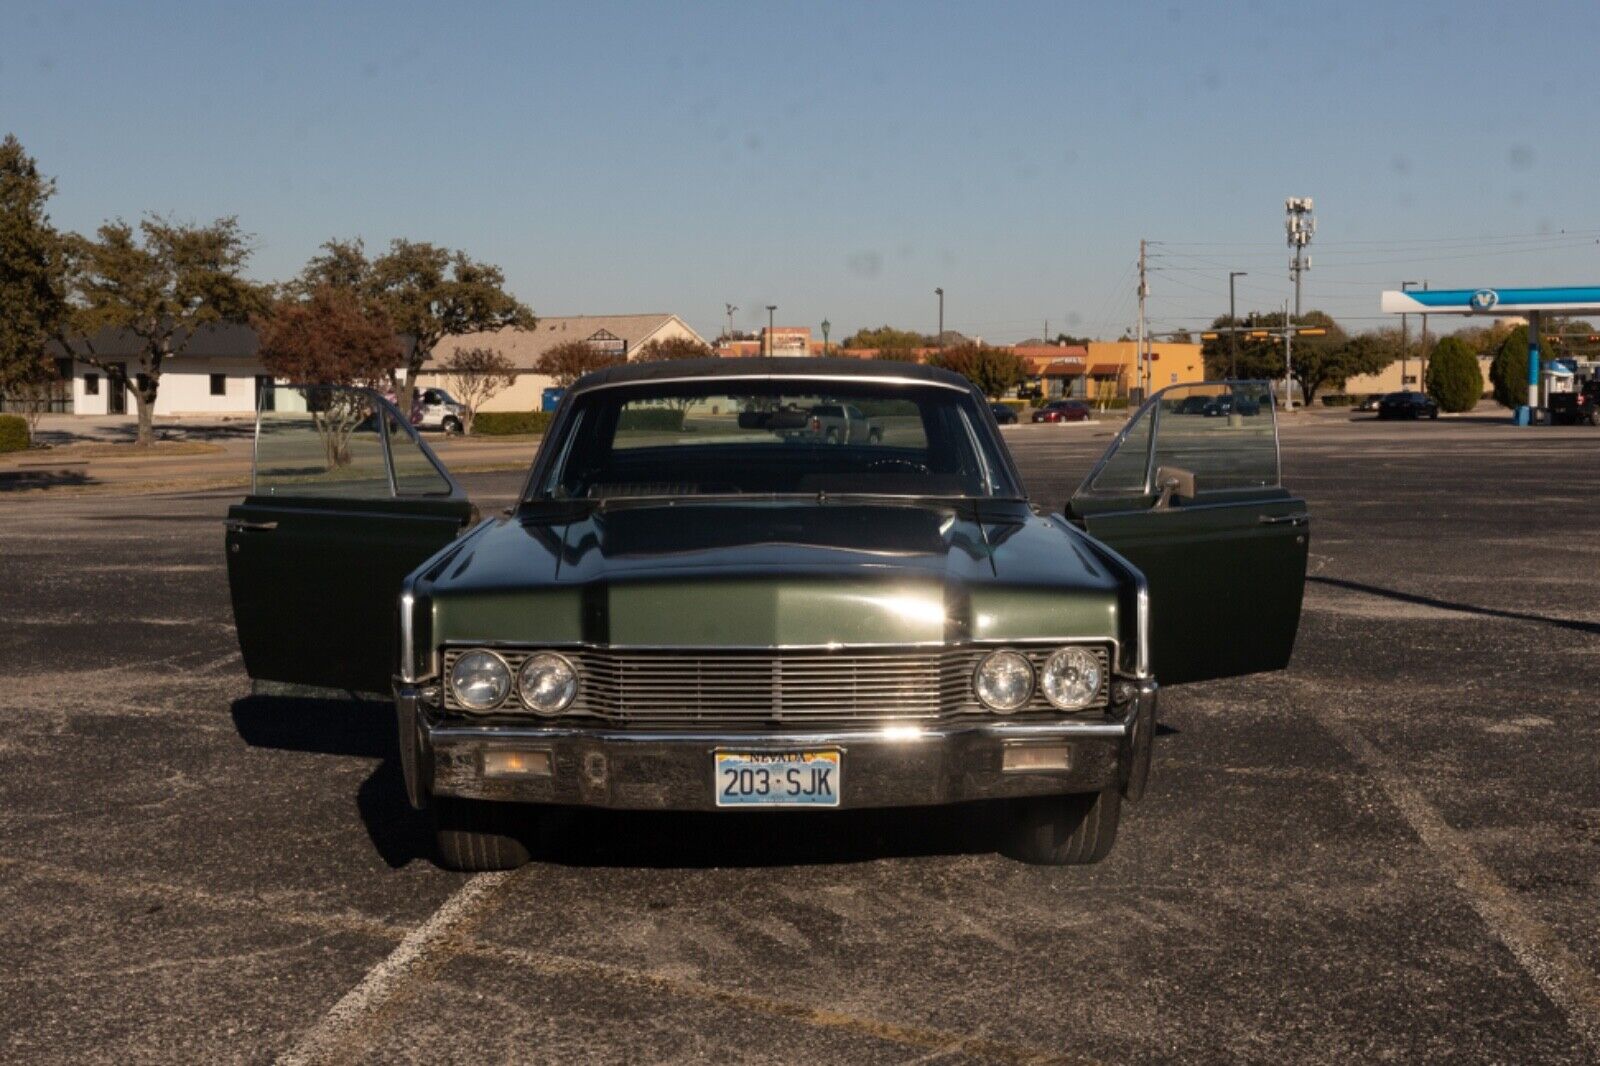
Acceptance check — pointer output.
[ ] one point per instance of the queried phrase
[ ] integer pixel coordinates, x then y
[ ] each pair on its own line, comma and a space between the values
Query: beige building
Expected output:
1398, 377
620, 335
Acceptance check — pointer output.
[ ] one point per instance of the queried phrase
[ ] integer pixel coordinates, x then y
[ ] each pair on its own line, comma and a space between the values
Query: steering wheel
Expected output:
897, 464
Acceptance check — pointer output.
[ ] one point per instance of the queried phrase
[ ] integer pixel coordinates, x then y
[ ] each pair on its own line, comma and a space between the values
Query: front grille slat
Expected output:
667, 688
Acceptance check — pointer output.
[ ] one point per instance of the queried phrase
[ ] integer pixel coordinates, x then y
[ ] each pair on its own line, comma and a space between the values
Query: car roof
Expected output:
768, 367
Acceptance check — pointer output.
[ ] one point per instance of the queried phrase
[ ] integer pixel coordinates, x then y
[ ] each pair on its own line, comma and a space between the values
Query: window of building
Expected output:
91, 384
219, 384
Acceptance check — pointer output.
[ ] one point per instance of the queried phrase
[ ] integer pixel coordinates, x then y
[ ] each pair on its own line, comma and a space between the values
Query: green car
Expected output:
694, 607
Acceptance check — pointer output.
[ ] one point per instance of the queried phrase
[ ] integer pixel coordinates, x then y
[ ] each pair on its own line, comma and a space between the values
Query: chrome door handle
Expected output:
241, 525
1285, 519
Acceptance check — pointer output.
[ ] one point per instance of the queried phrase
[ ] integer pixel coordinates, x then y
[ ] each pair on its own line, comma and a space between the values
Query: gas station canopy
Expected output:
1527, 303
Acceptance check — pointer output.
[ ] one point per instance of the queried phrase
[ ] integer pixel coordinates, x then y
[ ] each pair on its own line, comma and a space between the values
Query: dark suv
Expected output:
1569, 408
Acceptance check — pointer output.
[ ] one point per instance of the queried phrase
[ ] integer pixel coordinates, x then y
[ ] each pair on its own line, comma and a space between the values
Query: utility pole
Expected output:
1233, 322
770, 309
1046, 333
1138, 354
1405, 341
1299, 222
938, 341
1288, 360
729, 309
826, 325
1422, 356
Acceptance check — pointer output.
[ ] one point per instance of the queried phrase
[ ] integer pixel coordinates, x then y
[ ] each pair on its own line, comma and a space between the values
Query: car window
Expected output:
329, 441
768, 437
1233, 450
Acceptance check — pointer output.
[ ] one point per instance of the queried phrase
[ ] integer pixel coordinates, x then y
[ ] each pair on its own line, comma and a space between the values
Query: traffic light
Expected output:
1314, 331
1209, 336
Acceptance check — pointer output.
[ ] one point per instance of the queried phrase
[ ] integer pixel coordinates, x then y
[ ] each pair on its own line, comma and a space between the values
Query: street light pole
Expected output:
770, 309
1233, 325
939, 340
1405, 341
825, 327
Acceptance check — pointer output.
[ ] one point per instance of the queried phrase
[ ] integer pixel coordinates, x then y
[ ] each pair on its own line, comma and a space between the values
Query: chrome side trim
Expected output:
408, 637
897, 734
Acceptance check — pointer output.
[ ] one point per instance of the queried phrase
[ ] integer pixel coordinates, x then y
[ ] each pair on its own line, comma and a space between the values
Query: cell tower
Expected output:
1299, 222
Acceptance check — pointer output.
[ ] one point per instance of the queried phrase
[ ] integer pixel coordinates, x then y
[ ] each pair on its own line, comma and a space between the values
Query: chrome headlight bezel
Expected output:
492, 658
1087, 662
995, 660
570, 689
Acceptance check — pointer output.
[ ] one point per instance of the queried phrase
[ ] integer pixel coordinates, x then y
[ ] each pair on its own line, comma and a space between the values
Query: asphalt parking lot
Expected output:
1390, 851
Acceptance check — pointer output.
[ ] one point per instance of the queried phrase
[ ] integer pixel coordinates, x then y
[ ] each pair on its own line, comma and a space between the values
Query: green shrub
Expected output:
659, 418
509, 423
13, 433
1337, 400
1454, 380
1509, 371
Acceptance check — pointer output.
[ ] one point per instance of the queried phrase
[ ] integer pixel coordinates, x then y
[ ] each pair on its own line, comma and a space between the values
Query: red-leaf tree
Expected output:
569, 361
673, 348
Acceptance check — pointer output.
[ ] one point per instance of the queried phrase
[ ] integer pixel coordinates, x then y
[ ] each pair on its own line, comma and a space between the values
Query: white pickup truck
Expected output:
437, 409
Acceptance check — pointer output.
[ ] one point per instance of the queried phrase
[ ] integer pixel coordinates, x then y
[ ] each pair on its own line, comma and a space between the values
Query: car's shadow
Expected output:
365, 729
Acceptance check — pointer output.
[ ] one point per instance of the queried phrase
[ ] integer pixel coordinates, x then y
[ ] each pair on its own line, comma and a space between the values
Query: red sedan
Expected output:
1062, 411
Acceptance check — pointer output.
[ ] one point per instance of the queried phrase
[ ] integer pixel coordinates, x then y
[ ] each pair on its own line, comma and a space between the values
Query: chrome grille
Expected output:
676, 688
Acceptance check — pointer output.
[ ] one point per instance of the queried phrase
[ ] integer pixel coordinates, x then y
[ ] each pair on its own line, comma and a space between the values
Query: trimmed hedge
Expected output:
1454, 379
13, 433
1338, 400
662, 418
509, 423
1508, 373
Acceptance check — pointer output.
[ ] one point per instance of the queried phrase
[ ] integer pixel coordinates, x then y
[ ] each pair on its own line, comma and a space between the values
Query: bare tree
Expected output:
673, 348
476, 375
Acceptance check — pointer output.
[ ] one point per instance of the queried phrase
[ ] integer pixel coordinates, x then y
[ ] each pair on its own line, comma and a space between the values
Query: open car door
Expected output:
1190, 493
346, 501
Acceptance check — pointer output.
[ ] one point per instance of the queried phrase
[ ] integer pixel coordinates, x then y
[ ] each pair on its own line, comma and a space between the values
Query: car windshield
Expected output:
767, 437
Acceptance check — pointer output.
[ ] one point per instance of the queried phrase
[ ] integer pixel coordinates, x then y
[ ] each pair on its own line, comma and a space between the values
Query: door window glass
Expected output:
414, 472
1223, 433
320, 441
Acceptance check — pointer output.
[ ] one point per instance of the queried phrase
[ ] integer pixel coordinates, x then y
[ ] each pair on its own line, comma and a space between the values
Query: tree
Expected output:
33, 293
476, 375
887, 338
898, 355
160, 284
673, 348
1454, 380
328, 338
992, 370
1321, 362
570, 360
428, 292
1070, 340
1508, 372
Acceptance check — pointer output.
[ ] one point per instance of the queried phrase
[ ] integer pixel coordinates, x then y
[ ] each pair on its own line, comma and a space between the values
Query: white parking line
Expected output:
428, 942
1571, 986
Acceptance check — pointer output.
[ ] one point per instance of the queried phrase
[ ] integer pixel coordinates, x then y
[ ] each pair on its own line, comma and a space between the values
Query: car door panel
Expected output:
318, 551
1225, 567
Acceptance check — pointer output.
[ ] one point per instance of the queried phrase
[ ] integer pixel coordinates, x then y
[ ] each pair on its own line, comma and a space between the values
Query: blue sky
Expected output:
842, 161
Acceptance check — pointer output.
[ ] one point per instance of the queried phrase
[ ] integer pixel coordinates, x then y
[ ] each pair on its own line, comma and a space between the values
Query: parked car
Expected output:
842, 423
1192, 405
437, 409
732, 621
1408, 405
1063, 411
1369, 404
1004, 413
1231, 403
1582, 405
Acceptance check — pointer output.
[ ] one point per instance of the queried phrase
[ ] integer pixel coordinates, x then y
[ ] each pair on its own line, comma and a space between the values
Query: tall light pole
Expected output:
939, 340
1405, 341
770, 309
1233, 325
729, 309
826, 325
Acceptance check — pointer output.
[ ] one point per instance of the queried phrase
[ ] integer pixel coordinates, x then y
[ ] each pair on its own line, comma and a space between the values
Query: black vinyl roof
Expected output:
763, 366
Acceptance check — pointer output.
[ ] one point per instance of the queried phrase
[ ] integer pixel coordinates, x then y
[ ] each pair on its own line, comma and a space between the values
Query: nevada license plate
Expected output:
777, 778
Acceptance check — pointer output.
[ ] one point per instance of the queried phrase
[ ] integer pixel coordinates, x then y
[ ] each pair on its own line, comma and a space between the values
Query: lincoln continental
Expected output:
693, 605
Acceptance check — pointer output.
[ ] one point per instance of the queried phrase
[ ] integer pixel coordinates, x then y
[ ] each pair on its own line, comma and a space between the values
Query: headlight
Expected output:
547, 682
1004, 681
1071, 678
480, 680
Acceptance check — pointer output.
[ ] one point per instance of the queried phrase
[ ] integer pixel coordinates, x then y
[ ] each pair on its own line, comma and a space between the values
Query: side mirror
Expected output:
1173, 482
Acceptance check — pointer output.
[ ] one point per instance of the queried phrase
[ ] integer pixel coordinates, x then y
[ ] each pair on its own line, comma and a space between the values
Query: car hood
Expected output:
761, 574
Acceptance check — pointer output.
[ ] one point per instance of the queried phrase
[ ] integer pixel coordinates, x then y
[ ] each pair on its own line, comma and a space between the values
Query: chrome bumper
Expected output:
888, 766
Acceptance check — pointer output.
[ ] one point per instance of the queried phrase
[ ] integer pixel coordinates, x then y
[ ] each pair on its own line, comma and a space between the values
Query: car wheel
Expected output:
1070, 830
875, 437
451, 426
1433, 412
832, 436
475, 835
1594, 417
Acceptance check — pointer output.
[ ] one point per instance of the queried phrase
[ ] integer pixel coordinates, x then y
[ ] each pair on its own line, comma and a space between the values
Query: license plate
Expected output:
777, 778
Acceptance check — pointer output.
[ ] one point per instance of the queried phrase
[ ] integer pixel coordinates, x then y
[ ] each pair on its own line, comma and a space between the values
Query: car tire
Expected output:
1072, 830
832, 436
451, 427
1433, 413
875, 437
478, 835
